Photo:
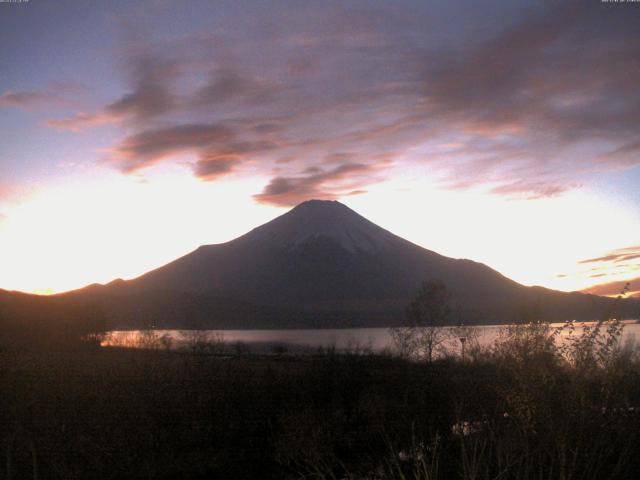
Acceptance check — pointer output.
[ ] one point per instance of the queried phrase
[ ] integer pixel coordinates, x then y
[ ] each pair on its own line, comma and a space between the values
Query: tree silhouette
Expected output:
428, 313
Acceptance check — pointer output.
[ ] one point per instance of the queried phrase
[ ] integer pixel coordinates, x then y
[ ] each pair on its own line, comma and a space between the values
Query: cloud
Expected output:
560, 65
537, 104
147, 147
625, 155
81, 121
316, 183
226, 156
557, 79
217, 146
231, 86
151, 96
29, 99
532, 190
57, 94
212, 166
616, 288
620, 255
621, 263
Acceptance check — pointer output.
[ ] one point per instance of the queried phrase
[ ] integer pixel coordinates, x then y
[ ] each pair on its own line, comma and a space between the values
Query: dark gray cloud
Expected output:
223, 158
212, 166
151, 95
218, 147
150, 146
231, 86
316, 183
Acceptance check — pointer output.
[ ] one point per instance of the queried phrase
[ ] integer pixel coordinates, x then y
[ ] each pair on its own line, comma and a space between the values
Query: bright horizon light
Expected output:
69, 236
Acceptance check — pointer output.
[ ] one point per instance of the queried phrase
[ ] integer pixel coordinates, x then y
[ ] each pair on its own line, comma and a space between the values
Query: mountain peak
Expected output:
316, 203
323, 218
321, 207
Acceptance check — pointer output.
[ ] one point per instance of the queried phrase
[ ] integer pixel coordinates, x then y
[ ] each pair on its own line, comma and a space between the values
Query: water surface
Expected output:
346, 339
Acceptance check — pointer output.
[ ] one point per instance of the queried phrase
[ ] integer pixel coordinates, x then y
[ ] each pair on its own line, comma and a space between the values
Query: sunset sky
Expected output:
132, 132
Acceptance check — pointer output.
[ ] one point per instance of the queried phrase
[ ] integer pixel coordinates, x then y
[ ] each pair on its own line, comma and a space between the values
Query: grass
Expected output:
522, 409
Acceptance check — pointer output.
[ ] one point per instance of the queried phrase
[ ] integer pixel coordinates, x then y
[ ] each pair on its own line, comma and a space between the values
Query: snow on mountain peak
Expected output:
322, 218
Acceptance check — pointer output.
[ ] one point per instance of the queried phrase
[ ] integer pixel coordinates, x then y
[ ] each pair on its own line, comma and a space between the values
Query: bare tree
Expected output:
404, 340
429, 313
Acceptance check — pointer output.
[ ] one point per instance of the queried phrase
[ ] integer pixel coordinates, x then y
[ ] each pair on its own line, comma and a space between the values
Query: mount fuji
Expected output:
321, 265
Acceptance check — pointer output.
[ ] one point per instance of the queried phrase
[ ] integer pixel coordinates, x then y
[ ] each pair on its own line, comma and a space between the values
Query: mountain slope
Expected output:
320, 264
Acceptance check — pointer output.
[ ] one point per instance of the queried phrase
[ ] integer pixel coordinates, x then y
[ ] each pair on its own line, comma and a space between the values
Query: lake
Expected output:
306, 340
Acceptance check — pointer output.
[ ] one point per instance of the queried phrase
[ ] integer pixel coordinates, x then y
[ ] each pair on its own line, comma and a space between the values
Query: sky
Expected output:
503, 132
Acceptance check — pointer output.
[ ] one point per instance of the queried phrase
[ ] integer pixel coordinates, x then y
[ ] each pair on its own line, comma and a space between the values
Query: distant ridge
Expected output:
323, 265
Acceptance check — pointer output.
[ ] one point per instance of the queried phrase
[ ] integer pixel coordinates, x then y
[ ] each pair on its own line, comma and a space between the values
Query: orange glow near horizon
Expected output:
534, 242
71, 236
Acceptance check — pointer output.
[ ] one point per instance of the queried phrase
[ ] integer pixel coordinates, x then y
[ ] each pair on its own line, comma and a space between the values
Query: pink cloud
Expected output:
316, 184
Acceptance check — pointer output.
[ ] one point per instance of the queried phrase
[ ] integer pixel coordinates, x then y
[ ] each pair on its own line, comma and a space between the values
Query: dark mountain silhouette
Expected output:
322, 265
34, 320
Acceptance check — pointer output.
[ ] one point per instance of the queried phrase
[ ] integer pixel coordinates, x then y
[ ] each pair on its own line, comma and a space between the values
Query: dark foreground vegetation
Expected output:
522, 409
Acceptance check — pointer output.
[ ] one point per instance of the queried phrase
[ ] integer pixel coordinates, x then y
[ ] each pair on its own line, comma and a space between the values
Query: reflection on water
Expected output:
347, 339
